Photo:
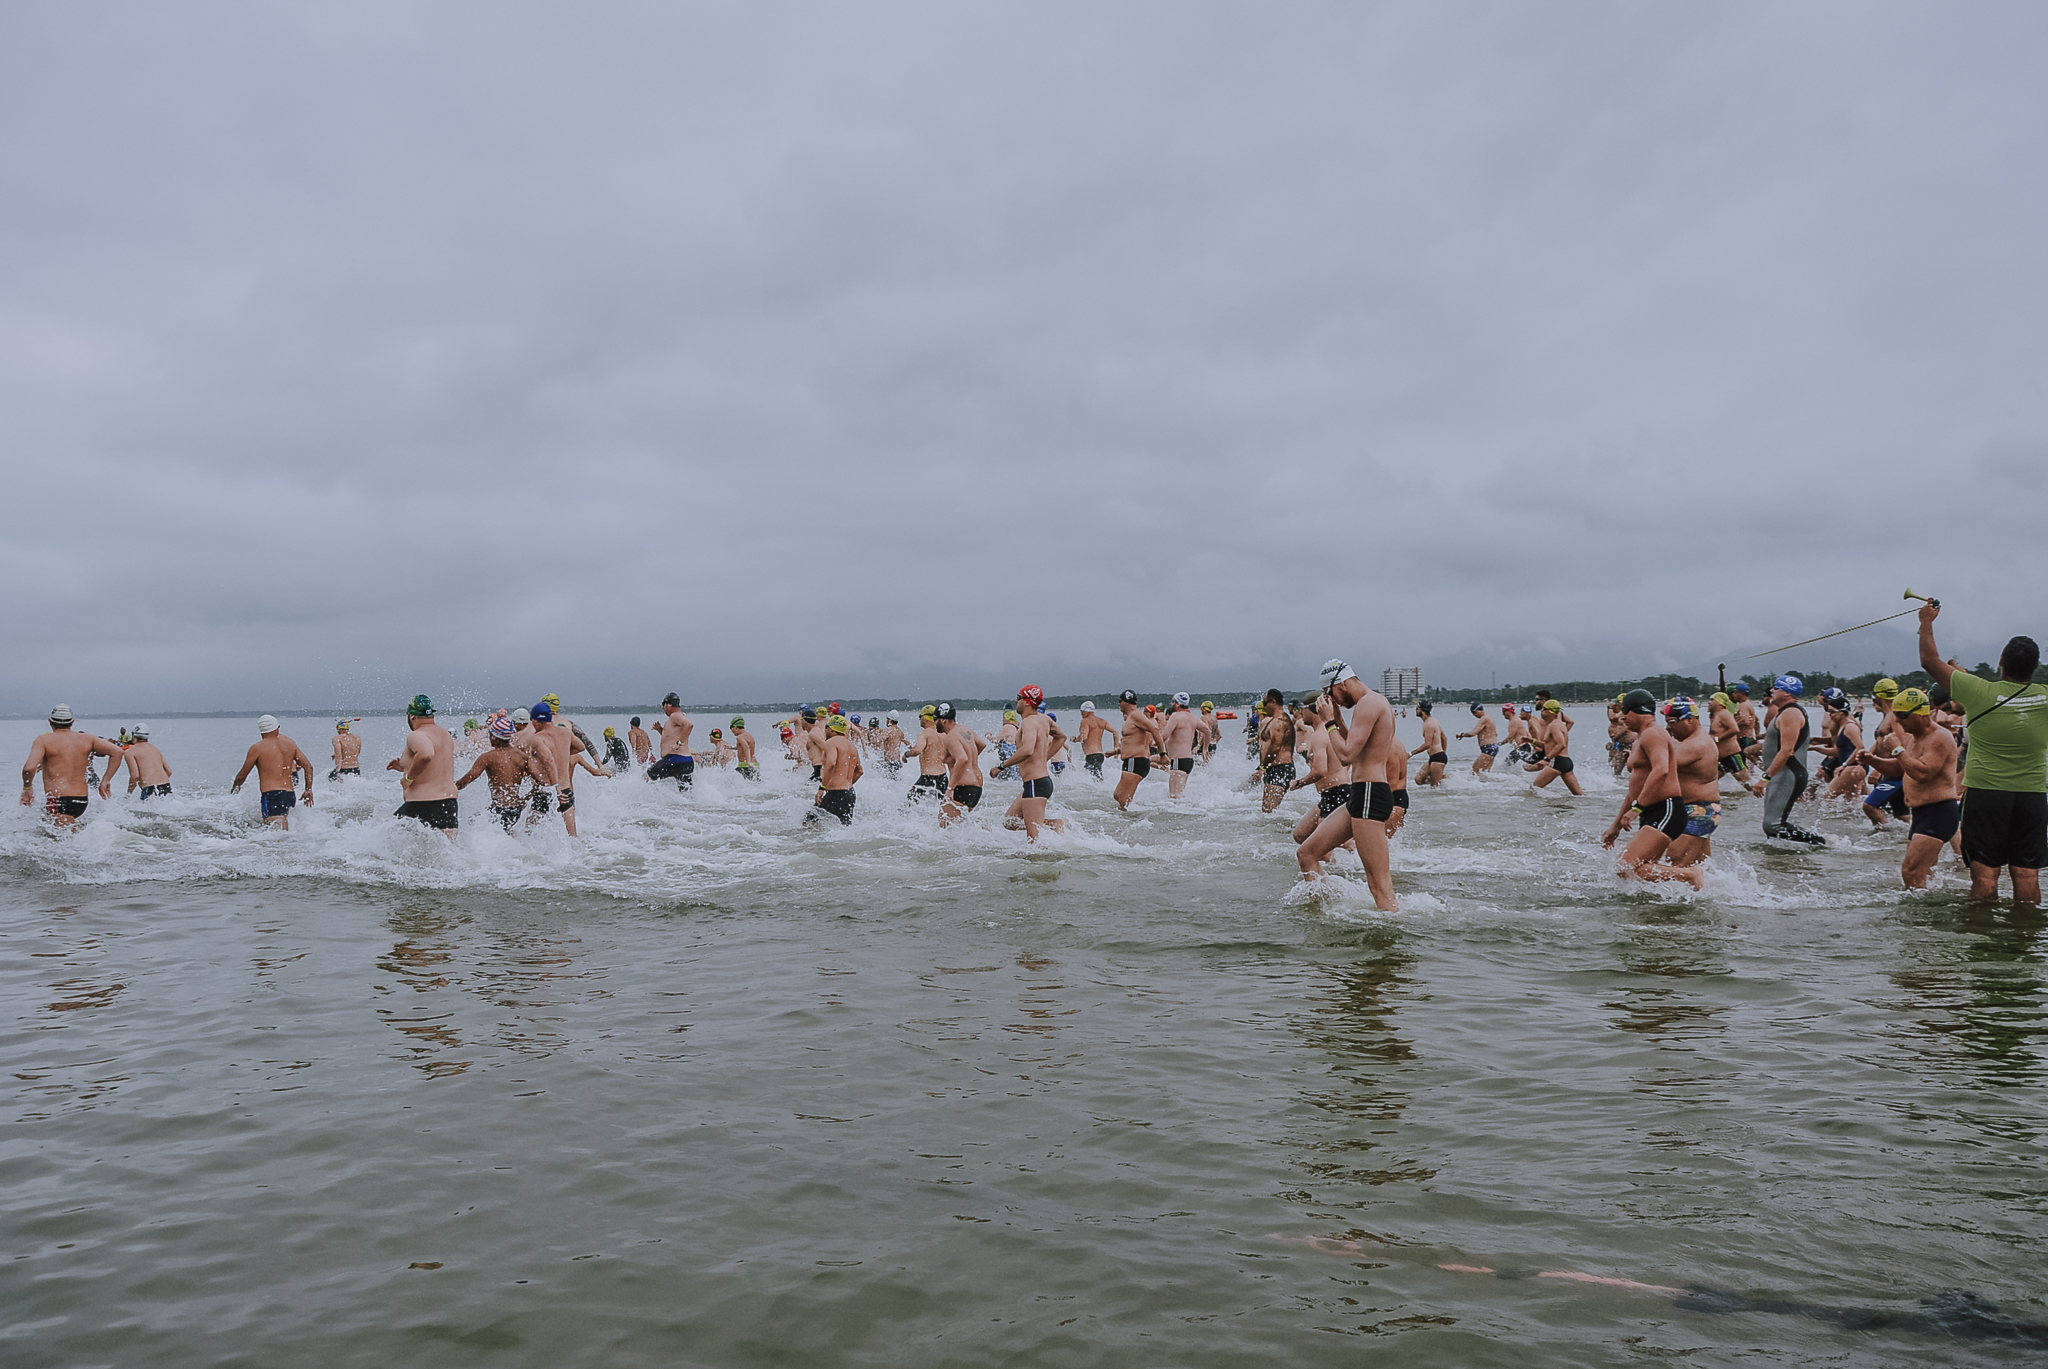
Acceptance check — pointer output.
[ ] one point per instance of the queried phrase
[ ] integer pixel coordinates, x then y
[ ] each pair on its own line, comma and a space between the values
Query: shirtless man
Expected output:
1276, 750
274, 757
1925, 760
1134, 747
147, 768
63, 758
1433, 746
1653, 792
636, 737
348, 751
743, 750
963, 754
1320, 752
1749, 730
1364, 745
721, 753
1488, 736
1556, 741
565, 751
1397, 786
892, 742
426, 770
1006, 740
842, 769
934, 757
1177, 742
506, 765
1518, 736
1696, 754
676, 762
1888, 795
1619, 738
1093, 729
554, 701
1038, 738
1721, 726
1211, 731
816, 731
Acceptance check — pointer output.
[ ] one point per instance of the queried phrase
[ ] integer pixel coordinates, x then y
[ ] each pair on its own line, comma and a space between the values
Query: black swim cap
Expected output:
1639, 701
636, 722
1129, 696
671, 698
945, 713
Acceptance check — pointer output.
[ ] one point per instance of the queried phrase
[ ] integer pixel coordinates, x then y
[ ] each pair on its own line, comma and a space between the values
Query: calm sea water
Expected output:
706, 1089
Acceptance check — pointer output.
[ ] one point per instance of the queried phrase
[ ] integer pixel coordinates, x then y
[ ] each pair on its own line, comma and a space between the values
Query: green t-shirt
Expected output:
2008, 747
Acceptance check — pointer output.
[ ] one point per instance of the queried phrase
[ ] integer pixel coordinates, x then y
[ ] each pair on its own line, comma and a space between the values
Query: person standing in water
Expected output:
63, 758
615, 753
1555, 738
1177, 745
743, 748
963, 750
147, 768
1488, 736
1093, 729
676, 762
1363, 745
1696, 755
1276, 750
1653, 794
1134, 746
274, 758
636, 737
1787, 733
1038, 737
1749, 731
842, 769
1926, 762
1433, 746
348, 751
506, 765
565, 751
426, 770
2005, 806
891, 740
934, 757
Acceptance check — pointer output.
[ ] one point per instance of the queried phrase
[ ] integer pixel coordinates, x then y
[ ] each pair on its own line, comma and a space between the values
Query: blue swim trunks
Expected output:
1701, 819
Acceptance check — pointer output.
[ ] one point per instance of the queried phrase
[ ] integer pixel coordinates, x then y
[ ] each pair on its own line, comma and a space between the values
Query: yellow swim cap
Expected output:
1887, 689
1724, 701
838, 723
1552, 706
928, 711
611, 731
1009, 715
553, 701
1208, 704
1911, 701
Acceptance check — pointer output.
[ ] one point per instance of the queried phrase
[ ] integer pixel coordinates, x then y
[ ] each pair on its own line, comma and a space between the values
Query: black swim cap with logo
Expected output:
1639, 701
1129, 696
944, 713
671, 698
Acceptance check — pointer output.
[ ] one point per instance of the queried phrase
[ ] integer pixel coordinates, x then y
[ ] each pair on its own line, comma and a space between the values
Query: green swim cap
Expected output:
739, 722
420, 707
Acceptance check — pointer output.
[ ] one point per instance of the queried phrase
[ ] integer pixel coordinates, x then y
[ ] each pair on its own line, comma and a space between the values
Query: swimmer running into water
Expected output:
64, 759
1653, 794
1488, 736
274, 758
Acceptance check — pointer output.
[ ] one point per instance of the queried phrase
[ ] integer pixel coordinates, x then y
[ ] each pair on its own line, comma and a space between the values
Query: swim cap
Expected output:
856, 717
838, 724
1151, 708
1886, 689
1052, 717
1335, 672
928, 711
611, 731
1035, 696
1208, 705
892, 715
503, 728
1639, 701
837, 710
142, 730
716, 734
553, 700
266, 725
1911, 701
520, 718
1181, 698
341, 724
1724, 701
1129, 696
634, 720
1088, 707
61, 714
740, 723
1791, 684
469, 724
1549, 706
787, 733
810, 715
943, 712
1681, 708
1740, 687
1508, 710
1009, 715
1477, 711
670, 698
1834, 695
540, 712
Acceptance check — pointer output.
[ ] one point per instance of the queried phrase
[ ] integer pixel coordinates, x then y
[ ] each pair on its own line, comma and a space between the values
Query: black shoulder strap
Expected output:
2000, 704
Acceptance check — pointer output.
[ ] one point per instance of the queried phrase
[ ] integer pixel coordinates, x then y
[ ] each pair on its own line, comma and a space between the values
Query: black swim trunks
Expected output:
1093, 760
509, 816
150, 791
681, 769
1561, 764
1938, 820
1281, 774
541, 799
1186, 765
892, 768
1038, 789
1734, 765
2004, 827
1668, 817
1137, 765
837, 802
967, 795
438, 814
928, 785
817, 773
1374, 802
66, 805
1330, 800
1439, 758
1398, 797
278, 802
338, 772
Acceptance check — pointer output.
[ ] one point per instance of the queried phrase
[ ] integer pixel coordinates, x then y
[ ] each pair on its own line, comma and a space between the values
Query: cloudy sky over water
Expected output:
767, 352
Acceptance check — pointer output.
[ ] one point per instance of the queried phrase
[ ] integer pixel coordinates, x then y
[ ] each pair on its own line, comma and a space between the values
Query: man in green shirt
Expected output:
2005, 804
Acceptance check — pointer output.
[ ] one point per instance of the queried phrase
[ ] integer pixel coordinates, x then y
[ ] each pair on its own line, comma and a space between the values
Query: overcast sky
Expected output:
770, 352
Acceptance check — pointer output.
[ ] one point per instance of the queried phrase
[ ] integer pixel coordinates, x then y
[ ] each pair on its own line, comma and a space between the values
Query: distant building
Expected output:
1401, 683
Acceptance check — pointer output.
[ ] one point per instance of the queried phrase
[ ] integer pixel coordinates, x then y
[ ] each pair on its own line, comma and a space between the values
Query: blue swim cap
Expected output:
540, 711
1791, 684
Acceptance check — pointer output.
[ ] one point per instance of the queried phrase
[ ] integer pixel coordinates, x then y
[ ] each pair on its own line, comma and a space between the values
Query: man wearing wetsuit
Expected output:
1653, 793
1926, 763
1787, 732
2005, 806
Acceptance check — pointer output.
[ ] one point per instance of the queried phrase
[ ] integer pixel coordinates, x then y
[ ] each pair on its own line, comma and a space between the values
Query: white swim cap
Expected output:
142, 729
520, 717
1088, 707
893, 715
1181, 698
61, 713
1335, 672
266, 724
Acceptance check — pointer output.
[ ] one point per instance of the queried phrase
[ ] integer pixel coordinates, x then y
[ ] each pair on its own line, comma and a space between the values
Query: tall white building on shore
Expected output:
1401, 683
